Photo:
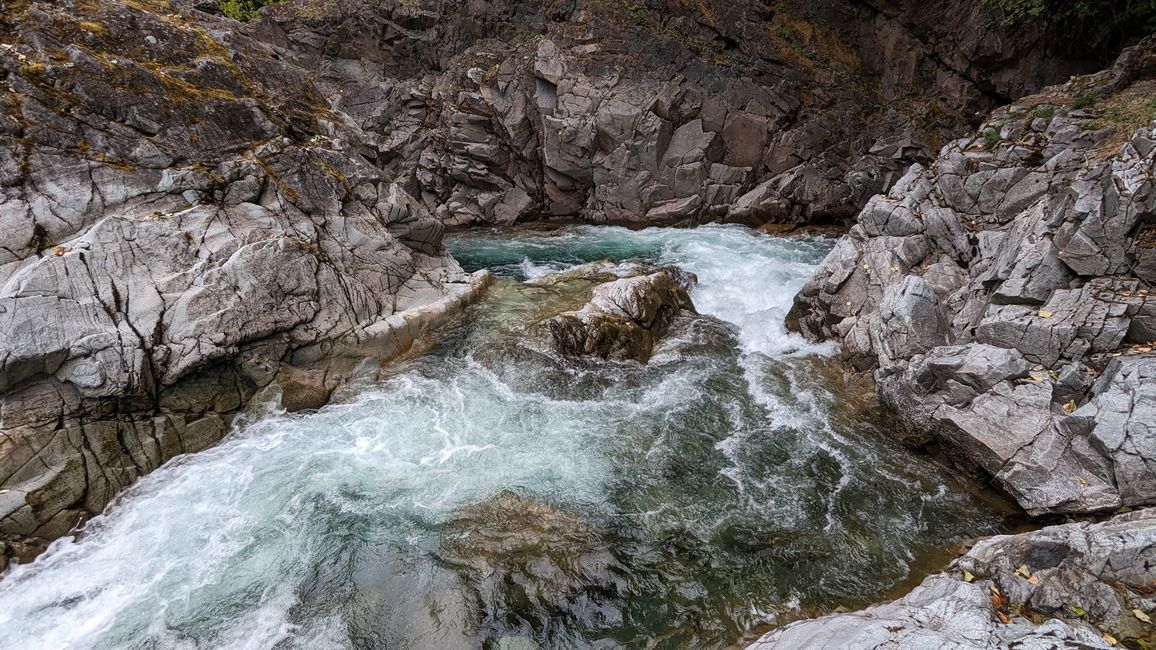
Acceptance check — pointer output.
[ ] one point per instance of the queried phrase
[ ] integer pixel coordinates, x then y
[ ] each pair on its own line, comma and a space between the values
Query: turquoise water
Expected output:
488, 495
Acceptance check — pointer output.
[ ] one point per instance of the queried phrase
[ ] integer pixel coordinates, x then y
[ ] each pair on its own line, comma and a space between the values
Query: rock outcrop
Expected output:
626, 316
1002, 293
184, 222
660, 112
194, 212
1071, 586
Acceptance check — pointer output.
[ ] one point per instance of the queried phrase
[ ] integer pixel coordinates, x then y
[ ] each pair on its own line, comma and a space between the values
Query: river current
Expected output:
485, 495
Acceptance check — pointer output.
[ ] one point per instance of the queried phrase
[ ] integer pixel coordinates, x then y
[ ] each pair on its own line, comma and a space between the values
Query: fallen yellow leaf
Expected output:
1033, 580
1109, 639
1070, 406
1046, 314
967, 576
1142, 616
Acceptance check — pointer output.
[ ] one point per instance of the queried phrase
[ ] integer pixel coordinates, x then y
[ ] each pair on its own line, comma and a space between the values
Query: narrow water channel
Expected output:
487, 495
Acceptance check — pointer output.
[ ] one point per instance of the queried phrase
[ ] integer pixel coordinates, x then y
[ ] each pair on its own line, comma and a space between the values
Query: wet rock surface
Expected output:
1002, 296
625, 317
529, 567
1076, 585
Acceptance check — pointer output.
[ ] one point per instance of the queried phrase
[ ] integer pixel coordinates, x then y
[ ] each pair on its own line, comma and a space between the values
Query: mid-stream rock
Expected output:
1003, 296
1070, 586
625, 317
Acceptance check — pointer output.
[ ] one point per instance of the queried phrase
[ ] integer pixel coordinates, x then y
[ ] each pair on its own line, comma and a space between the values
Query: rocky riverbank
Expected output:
661, 113
1002, 297
1077, 585
184, 224
195, 214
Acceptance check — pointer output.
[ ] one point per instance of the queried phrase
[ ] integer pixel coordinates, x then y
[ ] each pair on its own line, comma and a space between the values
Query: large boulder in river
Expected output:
625, 317
1069, 586
1003, 296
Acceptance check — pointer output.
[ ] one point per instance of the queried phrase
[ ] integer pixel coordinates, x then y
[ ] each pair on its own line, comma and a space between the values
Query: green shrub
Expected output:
243, 10
1084, 99
991, 138
1090, 26
638, 13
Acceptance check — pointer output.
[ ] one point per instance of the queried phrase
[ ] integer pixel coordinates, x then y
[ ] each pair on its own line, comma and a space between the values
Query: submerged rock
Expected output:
1065, 586
625, 317
530, 566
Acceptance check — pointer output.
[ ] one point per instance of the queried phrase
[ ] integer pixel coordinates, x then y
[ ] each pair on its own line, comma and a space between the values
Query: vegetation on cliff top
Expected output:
243, 10
1093, 25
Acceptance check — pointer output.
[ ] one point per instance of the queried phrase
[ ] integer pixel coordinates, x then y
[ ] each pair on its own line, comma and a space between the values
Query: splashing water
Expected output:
485, 496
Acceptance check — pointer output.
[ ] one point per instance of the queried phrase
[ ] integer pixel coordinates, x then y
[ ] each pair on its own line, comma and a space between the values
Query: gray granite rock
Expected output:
1029, 254
507, 110
625, 317
185, 227
1066, 586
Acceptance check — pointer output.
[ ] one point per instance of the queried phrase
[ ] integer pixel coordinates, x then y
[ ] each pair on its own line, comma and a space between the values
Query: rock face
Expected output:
183, 223
625, 317
659, 112
1070, 586
1002, 295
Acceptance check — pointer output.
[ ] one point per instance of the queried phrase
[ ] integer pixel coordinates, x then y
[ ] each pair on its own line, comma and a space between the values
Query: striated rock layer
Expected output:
184, 222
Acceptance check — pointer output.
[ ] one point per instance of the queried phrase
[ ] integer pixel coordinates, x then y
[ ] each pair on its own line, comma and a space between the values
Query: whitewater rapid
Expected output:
721, 486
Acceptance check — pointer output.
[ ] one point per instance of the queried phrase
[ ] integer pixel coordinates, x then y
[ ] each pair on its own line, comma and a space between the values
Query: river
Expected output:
485, 495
